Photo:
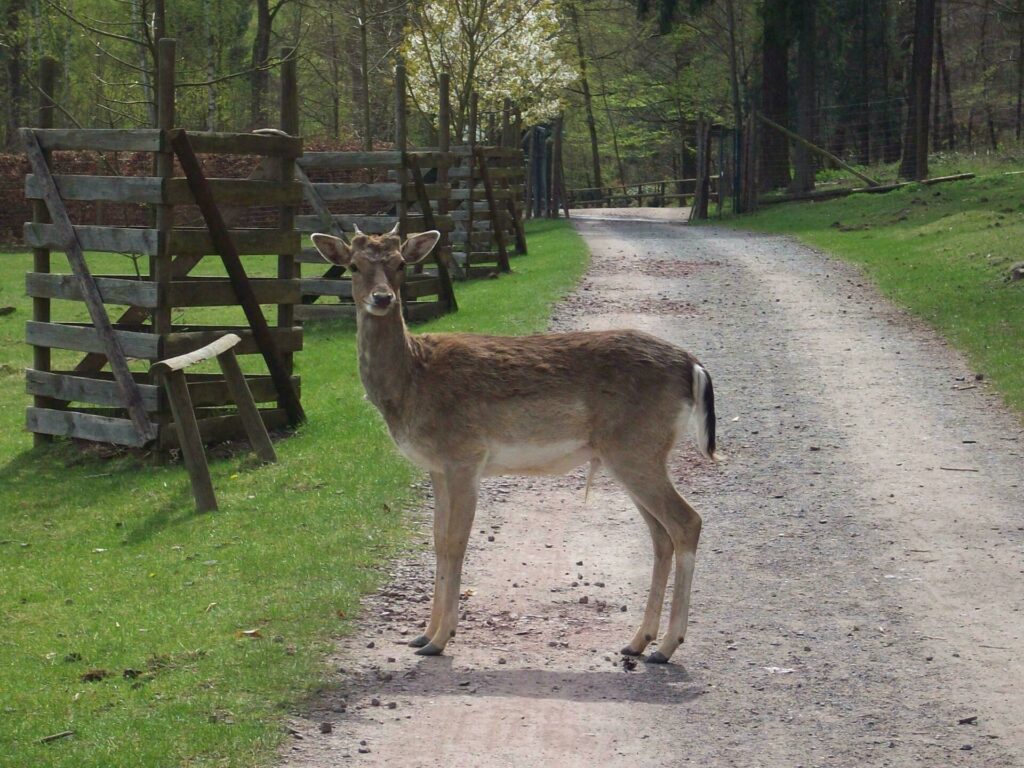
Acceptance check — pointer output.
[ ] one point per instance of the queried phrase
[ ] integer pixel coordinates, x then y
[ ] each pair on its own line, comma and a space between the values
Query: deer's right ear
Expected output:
333, 249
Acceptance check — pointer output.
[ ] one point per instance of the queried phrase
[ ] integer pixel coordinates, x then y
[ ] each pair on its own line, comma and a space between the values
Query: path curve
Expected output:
857, 595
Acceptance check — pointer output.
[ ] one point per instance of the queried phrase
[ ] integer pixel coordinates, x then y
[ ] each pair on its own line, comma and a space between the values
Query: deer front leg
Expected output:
451, 535
440, 484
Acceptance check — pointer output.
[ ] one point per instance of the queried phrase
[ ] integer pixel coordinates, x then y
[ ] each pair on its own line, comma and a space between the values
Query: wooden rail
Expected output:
581, 197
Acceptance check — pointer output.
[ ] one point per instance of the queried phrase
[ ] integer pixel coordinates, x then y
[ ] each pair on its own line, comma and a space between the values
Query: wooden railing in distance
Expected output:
171, 372
663, 189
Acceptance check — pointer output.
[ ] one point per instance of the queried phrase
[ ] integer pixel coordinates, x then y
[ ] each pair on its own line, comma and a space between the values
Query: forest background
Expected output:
869, 80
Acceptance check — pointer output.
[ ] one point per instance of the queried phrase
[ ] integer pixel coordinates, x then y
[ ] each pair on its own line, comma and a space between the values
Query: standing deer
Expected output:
540, 404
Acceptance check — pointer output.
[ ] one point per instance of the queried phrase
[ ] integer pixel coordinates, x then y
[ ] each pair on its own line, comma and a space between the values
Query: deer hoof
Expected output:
419, 642
628, 651
657, 658
429, 650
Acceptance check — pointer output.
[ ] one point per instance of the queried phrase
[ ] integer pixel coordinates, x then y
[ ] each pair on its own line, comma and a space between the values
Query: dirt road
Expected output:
859, 594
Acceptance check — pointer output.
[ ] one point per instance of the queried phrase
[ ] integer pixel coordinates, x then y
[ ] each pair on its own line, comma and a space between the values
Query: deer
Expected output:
539, 404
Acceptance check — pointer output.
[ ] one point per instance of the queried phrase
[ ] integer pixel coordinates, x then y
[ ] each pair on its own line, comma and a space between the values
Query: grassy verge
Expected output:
943, 252
106, 572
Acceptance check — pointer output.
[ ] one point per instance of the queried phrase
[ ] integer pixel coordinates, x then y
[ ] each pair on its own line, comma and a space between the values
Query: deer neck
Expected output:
385, 359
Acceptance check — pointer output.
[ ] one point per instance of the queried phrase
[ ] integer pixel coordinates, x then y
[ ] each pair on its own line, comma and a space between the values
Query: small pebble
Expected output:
370, 644
584, 600
392, 705
326, 728
374, 702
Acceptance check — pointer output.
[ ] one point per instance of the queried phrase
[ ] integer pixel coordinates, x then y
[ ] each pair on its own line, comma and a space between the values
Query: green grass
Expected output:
943, 252
104, 565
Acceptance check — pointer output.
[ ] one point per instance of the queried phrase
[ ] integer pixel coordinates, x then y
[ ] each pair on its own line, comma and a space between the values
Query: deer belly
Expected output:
548, 458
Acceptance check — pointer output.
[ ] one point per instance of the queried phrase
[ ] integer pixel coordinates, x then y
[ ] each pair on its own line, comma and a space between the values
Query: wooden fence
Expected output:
656, 194
470, 193
164, 296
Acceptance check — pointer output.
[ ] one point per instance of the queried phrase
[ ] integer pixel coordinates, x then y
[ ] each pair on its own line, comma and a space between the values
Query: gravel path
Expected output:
858, 596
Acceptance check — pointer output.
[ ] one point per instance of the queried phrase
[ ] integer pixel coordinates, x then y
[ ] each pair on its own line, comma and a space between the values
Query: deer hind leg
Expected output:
655, 492
440, 484
451, 535
659, 580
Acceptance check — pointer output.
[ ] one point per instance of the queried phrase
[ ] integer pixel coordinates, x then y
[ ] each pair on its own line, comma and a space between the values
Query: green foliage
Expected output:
104, 566
944, 252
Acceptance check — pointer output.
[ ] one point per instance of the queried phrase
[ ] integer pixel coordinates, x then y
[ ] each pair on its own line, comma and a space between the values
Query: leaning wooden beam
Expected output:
492, 209
180, 267
179, 140
447, 290
328, 224
90, 293
816, 149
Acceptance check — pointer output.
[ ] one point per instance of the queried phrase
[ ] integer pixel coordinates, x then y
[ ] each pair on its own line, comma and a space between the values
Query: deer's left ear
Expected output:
419, 246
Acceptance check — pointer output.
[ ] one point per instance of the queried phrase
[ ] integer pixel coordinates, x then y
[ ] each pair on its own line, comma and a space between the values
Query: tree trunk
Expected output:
13, 52
891, 149
863, 124
803, 178
364, 76
699, 211
947, 91
588, 104
1020, 65
914, 164
259, 79
775, 94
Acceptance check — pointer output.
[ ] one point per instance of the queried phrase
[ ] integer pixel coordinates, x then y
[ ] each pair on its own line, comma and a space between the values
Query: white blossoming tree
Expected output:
499, 48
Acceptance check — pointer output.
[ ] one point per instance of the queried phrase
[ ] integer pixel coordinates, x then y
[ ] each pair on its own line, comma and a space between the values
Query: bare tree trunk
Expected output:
1020, 65
863, 125
364, 76
259, 79
914, 164
588, 105
948, 93
803, 178
699, 210
211, 68
13, 53
775, 93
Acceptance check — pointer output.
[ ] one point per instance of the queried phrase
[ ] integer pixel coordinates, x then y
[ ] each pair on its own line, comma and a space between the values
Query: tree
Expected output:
806, 103
775, 92
502, 49
914, 164
588, 103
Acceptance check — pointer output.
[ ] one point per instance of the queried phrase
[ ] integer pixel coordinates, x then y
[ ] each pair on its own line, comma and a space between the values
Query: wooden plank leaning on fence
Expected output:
492, 210
127, 385
225, 246
447, 289
172, 373
180, 267
327, 223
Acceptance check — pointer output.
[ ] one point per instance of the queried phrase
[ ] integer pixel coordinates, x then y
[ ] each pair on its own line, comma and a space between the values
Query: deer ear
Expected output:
333, 249
417, 247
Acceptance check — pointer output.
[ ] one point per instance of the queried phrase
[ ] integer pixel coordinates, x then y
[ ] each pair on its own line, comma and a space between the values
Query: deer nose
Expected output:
382, 300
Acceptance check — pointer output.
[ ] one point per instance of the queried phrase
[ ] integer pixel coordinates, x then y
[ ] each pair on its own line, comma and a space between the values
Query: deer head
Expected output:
377, 264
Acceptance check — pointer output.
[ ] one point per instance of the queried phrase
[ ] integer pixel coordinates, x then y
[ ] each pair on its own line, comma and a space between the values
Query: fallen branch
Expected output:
959, 469
55, 736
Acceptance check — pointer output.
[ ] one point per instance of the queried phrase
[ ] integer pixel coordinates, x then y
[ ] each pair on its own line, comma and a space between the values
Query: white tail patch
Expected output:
700, 420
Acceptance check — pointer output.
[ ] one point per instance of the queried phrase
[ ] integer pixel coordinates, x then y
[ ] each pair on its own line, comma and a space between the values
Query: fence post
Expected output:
160, 264
287, 266
41, 256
